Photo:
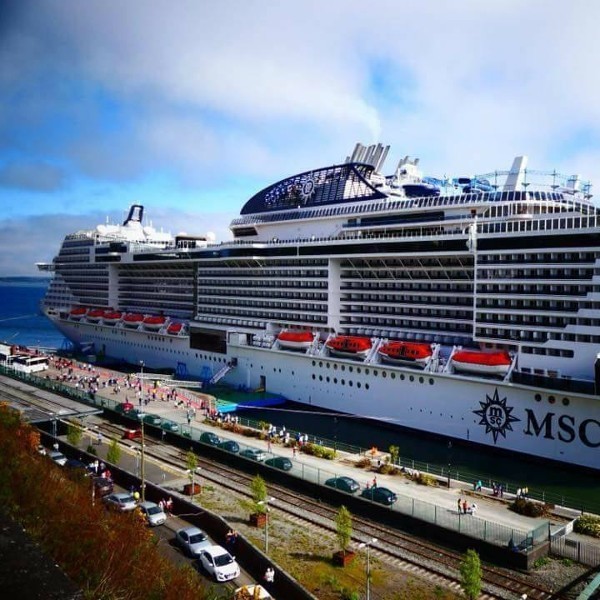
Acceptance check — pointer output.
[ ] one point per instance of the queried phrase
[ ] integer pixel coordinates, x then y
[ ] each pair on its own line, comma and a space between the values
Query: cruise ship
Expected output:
466, 307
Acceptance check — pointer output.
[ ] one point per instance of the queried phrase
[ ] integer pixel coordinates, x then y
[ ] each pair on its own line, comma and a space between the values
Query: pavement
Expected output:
489, 508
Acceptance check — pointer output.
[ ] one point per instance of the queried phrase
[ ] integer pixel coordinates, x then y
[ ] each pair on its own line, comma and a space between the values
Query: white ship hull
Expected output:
501, 415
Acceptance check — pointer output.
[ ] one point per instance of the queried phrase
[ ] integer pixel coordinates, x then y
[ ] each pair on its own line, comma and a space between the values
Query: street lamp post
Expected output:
143, 473
266, 503
449, 460
367, 545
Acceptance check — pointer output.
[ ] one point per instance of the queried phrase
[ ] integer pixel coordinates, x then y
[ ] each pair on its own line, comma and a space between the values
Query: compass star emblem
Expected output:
496, 416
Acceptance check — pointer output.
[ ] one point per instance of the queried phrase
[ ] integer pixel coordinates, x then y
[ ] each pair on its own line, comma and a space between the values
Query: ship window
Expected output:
566, 401
552, 399
366, 386
412, 378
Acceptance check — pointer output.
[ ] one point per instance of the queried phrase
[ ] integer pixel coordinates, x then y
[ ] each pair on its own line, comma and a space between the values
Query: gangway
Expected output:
221, 373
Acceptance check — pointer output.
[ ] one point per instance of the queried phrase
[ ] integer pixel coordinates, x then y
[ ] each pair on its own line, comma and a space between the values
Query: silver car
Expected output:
153, 513
58, 457
192, 540
121, 501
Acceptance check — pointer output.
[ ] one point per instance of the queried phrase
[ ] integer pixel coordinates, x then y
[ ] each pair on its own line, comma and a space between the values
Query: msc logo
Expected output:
496, 416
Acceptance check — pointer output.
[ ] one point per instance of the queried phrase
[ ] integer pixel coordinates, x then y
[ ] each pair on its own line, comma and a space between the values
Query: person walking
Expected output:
269, 575
459, 506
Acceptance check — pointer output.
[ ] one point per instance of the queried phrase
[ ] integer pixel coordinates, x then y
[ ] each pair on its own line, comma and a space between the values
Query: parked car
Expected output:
219, 563
280, 462
136, 413
153, 513
254, 454
121, 501
210, 438
103, 486
380, 495
344, 484
192, 540
230, 446
170, 426
58, 457
152, 419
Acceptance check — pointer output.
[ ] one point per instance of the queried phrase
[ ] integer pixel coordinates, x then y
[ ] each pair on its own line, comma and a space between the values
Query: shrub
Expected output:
522, 506
363, 463
588, 525
426, 479
388, 469
318, 451
541, 562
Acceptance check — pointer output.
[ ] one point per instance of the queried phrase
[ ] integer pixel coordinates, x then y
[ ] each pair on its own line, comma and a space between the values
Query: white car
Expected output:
58, 457
219, 563
192, 540
153, 513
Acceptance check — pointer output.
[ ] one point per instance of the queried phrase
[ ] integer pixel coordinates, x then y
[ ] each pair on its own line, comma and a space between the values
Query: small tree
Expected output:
113, 455
394, 454
471, 574
343, 528
191, 461
258, 487
74, 434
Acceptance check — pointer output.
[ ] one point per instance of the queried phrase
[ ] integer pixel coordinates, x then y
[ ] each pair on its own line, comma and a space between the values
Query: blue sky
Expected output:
190, 107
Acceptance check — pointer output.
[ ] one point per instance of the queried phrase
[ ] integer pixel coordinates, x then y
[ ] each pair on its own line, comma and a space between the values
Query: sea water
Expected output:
21, 320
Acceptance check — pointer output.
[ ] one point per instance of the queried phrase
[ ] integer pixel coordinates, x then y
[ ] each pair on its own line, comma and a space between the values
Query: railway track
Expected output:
418, 557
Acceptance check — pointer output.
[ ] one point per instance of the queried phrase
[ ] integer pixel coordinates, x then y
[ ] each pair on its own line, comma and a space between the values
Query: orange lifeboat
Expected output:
95, 314
349, 346
175, 328
78, 312
110, 317
133, 319
415, 354
154, 322
295, 340
480, 362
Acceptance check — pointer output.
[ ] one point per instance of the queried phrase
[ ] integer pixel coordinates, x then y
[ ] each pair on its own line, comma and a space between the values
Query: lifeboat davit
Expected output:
95, 314
295, 340
349, 345
480, 362
132, 319
175, 328
415, 354
154, 322
111, 317
78, 312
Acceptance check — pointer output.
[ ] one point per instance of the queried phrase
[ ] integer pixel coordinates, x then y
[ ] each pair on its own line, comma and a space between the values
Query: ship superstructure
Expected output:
467, 307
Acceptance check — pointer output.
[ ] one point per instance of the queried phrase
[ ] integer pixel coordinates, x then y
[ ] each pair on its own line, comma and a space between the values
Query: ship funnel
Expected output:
136, 214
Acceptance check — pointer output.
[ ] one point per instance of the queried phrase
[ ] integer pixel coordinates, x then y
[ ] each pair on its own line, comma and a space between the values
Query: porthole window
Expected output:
412, 378
374, 373
551, 399
384, 374
358, 384
402, 377
343, 367
343, 382
421, 380
366, 371
358, 370
335, 367
393, 375
321, 363
431, 381
350, 383
313, 363
366, 386
313, 376
335, 380
320, 377
566, 402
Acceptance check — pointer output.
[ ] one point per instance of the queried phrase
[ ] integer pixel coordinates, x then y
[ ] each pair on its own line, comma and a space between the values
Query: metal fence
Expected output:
581, 552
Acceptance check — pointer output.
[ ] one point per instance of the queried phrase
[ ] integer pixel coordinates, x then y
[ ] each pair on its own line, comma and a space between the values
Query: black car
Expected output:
380, 495
344, 484
280, 462
103, 486
230, 446
210, 438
